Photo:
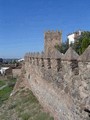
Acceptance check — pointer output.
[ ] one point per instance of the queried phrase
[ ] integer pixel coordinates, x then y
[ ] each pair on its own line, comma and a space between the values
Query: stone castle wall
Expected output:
16, 72
60, 82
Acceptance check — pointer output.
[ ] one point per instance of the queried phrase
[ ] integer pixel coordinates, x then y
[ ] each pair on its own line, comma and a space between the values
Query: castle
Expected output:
61, 83
51, 39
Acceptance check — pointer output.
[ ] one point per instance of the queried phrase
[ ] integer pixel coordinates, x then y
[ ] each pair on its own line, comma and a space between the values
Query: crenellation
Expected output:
51, 40
60, 82
30, 60
56, 65
58, 62
85, 57
74, 67
37, 59
47, 62
42, 62
42, 55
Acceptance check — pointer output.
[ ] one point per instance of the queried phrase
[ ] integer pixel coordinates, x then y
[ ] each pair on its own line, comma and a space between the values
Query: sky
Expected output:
23, 23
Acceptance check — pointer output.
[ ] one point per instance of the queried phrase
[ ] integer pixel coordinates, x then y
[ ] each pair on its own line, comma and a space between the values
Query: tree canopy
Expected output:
82, 42
63, 48
79, 45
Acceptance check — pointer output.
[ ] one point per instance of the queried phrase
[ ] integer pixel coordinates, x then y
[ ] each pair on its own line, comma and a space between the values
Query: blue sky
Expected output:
23, 23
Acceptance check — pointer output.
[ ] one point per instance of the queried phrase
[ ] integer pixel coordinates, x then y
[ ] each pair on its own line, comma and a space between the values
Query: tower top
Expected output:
52, 38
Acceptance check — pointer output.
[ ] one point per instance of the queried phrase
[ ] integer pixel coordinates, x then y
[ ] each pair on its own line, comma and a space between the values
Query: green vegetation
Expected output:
2, 83
79, 46
82, 43
63, 48
4, 93
29, 108
23, 105
25, 116
6, 86
43, 116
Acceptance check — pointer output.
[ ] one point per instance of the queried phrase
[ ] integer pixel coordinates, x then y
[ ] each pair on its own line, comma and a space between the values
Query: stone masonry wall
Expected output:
16, 72
51, 40
61, 84
50, 93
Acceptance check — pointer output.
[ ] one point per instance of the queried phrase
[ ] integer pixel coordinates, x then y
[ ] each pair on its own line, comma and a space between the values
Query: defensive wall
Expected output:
60, 82
16, 72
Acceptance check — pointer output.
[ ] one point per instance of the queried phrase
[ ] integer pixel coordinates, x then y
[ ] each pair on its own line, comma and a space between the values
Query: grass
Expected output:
43, 116
2, 83
6, 91
25, 116
30, 98
29, 108
12, 106
23, 105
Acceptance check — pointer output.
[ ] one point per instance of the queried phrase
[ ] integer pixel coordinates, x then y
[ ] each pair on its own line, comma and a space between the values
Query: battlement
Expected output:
52, 38
58, 60
70, 72
61, 82
53, 34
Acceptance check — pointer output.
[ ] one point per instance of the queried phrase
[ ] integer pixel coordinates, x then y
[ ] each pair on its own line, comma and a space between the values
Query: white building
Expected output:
3, 70
73, 36
20, 60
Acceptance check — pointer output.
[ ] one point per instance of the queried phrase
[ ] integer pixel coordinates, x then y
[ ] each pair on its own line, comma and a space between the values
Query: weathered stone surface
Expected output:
51, 40
47, 83
70, 55
86, 55
61, 84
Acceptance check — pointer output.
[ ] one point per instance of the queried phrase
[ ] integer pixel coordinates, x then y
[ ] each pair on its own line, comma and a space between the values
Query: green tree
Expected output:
82, 42
63, 48
79, 46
